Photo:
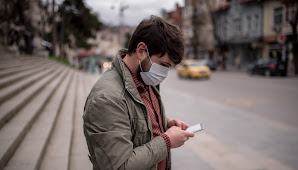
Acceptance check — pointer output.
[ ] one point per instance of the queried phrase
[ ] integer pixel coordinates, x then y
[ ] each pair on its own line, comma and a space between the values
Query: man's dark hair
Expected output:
160, 36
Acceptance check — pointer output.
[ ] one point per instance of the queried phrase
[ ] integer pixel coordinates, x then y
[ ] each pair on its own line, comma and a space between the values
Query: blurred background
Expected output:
238, 78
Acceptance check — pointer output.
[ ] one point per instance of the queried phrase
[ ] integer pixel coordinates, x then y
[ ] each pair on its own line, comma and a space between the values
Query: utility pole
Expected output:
122, 8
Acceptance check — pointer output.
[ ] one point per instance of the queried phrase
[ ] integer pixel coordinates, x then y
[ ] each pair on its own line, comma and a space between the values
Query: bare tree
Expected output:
5, 24
62, 12
54, 34
43, 8
16, 25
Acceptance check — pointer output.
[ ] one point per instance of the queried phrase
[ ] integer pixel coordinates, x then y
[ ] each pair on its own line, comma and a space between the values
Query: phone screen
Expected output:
196, 128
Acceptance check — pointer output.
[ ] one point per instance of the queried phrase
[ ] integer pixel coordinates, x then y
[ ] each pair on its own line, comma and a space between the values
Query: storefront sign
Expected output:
281, 38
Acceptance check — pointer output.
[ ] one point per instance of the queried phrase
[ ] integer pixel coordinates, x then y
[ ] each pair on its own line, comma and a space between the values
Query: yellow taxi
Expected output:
192, 68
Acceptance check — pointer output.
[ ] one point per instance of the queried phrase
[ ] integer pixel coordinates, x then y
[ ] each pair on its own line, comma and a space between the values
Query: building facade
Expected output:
197, 26
175, 16
107, 41
278, 32
239, 27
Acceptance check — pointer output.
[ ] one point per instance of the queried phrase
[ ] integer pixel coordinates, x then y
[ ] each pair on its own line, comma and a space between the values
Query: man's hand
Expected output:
176, 122
178, 136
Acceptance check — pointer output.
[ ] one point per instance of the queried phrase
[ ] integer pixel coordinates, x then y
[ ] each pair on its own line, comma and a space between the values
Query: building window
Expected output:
291, 12
236, 4
217, 28
220, 28
188, 31
187, 11
248, 18
278, 16
225, 25
256, 23
237, 25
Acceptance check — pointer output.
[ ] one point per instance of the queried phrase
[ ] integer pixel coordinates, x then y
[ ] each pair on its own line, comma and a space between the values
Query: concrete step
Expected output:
11, 61
13, 132
58, 150
17, 69
37, 138
7, 56
4, 58
41, 122
11, 106
24, 74
18, 59
79, 152
18, 63
15, 88
10, 65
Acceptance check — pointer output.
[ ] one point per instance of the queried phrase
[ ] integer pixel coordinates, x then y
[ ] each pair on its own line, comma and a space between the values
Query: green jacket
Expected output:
117, 125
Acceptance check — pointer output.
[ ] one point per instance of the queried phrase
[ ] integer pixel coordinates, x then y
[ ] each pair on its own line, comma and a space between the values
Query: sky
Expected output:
108, 10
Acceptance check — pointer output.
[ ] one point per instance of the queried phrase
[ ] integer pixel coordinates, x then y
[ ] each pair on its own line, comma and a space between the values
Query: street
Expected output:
250, 121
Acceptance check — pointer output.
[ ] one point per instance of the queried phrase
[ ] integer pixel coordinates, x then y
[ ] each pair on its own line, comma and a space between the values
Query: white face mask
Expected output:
155, 75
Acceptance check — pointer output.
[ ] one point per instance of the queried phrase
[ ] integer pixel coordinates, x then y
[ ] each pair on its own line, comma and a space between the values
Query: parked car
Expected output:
193, 69
210, 63
268, 67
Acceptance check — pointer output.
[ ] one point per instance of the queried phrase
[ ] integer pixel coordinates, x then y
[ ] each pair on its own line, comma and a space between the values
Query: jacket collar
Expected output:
128, 81
130, 85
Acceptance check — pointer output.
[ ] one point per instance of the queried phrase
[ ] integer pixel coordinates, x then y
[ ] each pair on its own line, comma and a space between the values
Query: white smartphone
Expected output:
195, 128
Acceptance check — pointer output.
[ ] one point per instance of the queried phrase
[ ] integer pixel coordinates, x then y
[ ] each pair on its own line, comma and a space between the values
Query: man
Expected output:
124, 120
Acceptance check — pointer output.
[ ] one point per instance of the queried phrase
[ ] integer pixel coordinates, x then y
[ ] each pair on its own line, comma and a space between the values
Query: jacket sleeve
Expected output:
108, 126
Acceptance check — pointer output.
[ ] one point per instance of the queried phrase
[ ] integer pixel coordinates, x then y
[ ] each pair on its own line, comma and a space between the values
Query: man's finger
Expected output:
189, 134
178, 124
185, 126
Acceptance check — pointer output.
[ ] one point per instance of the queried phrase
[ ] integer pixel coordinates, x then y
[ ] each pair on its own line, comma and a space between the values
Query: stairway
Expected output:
41, 107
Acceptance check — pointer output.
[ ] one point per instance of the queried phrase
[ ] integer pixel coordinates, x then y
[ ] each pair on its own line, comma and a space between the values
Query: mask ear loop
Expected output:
140, 65
148, 57
148, 54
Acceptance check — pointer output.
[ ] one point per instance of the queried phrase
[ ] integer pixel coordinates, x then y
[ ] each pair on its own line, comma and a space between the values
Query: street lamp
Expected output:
122, 8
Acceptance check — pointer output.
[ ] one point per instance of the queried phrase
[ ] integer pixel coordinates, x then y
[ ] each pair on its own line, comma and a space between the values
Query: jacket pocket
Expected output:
141, 133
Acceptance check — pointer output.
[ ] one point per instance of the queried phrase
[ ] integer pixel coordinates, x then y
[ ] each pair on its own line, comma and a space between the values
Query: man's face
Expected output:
164, 61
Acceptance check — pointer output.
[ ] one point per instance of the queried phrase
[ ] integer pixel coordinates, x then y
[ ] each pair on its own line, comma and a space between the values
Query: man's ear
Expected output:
141, 51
